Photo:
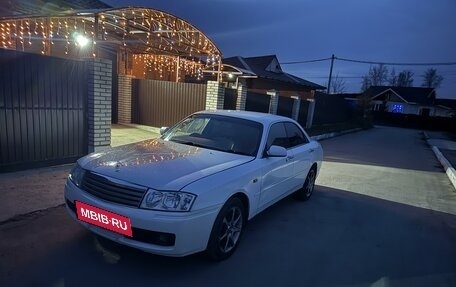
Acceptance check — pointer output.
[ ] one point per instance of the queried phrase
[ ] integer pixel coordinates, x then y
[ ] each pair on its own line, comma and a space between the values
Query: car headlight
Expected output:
76, 175
168, 200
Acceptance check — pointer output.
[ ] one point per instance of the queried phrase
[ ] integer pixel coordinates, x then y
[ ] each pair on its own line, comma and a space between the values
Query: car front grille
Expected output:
108, 190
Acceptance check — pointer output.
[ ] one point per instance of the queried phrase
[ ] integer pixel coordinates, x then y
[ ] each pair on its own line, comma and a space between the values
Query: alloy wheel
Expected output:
310, 183
231, 229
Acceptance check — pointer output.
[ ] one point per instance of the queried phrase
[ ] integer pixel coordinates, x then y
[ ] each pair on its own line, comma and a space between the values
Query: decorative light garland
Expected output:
173, 45
164, 64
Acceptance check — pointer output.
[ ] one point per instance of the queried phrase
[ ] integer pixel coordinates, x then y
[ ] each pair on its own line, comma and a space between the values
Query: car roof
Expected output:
263, 118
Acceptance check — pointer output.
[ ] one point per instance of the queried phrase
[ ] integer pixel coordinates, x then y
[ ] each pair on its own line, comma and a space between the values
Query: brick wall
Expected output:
274, 103
124, 99
241, 97
296, 107
99, 78
215, 95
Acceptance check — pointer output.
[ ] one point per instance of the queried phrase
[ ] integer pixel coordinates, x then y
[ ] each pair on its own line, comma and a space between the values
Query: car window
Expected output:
295, 135
222, 133
191, 126
277, 136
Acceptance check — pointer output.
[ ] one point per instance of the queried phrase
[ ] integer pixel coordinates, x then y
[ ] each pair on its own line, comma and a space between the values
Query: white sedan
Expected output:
195, 188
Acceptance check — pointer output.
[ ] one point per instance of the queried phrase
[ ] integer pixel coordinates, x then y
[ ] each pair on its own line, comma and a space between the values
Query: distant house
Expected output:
407, 100
264, 73
449, 104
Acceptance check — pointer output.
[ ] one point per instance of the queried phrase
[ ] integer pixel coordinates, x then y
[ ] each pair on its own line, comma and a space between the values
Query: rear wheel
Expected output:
227, 230
307, 189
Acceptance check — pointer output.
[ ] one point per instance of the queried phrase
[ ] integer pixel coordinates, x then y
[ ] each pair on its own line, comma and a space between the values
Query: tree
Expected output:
405, 79
377, 76
364, 103
431, 79
393, 78
337, 85
365, 84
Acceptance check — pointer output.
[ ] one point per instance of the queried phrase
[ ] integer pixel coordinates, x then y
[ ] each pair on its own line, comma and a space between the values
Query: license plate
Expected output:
103, 218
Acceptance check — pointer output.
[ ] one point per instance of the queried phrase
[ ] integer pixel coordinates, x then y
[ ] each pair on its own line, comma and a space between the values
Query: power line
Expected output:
342, 77
397, 64
360, 77
370, 62
305, 61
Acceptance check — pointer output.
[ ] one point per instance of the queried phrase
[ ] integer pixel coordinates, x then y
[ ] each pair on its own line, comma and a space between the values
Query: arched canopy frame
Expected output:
141, 31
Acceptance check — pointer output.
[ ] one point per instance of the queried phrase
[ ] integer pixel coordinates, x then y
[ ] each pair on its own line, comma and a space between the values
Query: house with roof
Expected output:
407, 100
269, 89
264, 73
448, 104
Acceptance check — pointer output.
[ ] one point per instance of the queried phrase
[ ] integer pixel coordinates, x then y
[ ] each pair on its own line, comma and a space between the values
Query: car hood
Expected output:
160, 164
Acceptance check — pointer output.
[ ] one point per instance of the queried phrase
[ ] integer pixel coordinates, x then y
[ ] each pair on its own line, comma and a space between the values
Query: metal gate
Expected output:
162, 103
256, 102
303, 111
42, 110
285, 106
230, 99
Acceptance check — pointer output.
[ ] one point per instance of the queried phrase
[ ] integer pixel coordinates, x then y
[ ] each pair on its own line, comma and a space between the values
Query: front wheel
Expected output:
227, 230
307, 189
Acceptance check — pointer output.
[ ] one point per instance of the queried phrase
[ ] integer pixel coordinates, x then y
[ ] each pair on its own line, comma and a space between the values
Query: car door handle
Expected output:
290, 157
311, 150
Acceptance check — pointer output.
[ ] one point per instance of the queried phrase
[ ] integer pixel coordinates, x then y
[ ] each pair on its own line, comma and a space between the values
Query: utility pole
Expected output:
328, 91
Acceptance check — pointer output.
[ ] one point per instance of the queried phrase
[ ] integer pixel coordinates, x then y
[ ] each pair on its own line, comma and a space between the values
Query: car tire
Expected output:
307, 189
227, 230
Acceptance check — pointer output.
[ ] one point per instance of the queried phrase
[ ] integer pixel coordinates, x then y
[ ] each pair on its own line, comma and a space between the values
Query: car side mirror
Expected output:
276, 151
163, 130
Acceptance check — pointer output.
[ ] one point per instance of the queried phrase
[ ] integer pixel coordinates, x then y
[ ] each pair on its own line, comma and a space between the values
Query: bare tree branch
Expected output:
337, 85
431, 79
377, 76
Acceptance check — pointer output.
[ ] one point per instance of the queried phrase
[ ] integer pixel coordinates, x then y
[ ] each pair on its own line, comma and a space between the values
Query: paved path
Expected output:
38, 189
388, 163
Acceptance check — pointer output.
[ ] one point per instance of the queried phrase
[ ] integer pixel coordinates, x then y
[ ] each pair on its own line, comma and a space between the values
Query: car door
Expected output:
277, 171
302, 150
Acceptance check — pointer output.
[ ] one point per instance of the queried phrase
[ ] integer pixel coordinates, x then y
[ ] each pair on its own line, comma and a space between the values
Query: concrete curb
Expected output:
335, 134
426, 137
449, 169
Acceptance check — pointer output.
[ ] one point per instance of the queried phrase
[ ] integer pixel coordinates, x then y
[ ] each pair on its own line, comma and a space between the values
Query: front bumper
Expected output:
191, 229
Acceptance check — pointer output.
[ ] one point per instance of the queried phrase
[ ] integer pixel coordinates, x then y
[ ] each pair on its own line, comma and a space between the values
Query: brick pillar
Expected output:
241, 96
310, 113
310, 110
274, 102
295, 110
215, 95
124, 99
99, 80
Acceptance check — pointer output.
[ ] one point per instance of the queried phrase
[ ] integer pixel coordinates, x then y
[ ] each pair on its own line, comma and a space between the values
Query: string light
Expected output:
162, 65
162, 36
21, 37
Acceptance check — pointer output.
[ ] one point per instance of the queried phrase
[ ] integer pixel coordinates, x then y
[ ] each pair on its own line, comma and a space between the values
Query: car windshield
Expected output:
217, 132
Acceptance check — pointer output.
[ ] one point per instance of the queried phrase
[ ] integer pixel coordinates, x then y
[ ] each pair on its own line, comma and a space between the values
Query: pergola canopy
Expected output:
137, 29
